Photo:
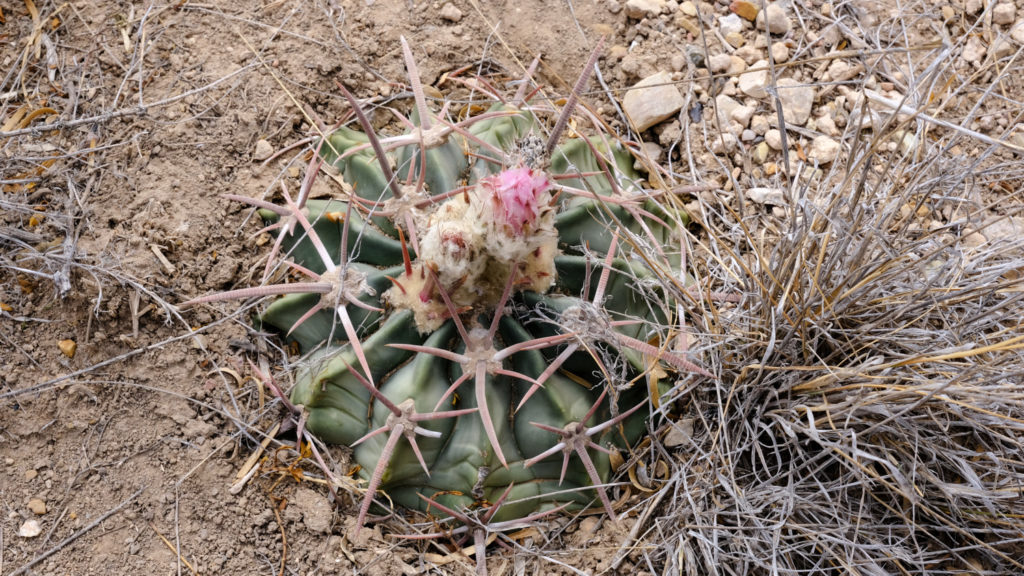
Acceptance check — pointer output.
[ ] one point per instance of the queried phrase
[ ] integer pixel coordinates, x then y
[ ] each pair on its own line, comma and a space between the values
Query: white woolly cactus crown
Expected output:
473, 243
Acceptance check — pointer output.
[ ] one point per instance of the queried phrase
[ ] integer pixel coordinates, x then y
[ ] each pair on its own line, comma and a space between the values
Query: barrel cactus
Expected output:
490, 307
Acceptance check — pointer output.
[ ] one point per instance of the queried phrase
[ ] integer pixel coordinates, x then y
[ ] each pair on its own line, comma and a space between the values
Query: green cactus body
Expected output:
549, 258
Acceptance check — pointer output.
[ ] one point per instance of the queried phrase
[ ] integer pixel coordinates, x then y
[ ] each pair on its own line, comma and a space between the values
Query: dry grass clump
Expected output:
868, 416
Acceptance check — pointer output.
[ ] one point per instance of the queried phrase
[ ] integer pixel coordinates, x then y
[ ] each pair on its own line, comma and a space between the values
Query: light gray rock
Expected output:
724, 144
778, 21
724, 107
1002, 48
30, 529
652, 100
263, 150
679, 60
730, 24
780, 52
638, 9
759, 124
974, 50
774, 139
1004, 14
749, 54
719, 63
451, 13
669, 134
736, 65
1004, 229
769, 196
824, 149
753, 83
1017, 32
796, 100
827, 125
653, 151
742, 115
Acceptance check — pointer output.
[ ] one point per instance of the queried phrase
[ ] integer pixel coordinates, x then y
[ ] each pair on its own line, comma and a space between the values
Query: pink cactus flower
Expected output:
516, 196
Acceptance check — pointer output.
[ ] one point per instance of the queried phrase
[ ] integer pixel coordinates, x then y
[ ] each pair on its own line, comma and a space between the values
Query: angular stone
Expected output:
760, 153
824, 149
974, 50
796, 99
652, 100
778, 22
742, 115
780, 52
749, 54
1017, 32
725, 106
753, 83
730, 24
735, 39
759, 124
769, 196
649, 151
30, 529
736, 65
744, 9
263, 151
719, 63
638, 9
1002, 49
37, 506
723, 144
451, 13
1004, 14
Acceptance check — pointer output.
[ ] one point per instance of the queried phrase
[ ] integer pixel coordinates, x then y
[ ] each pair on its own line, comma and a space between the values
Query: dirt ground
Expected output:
125, 452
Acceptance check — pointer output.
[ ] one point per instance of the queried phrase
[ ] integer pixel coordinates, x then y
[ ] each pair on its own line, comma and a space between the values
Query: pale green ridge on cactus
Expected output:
445, 163
423, 380
504, 135
338, 406
321, 327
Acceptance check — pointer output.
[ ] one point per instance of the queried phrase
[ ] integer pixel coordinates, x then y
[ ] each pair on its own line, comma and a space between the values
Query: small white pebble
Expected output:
451, 13
30, 529
263, 150
824, 149
778, 22
780, 52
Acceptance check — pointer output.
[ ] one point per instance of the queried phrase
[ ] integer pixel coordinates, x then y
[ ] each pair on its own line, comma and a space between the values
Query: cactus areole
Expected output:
478, 328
